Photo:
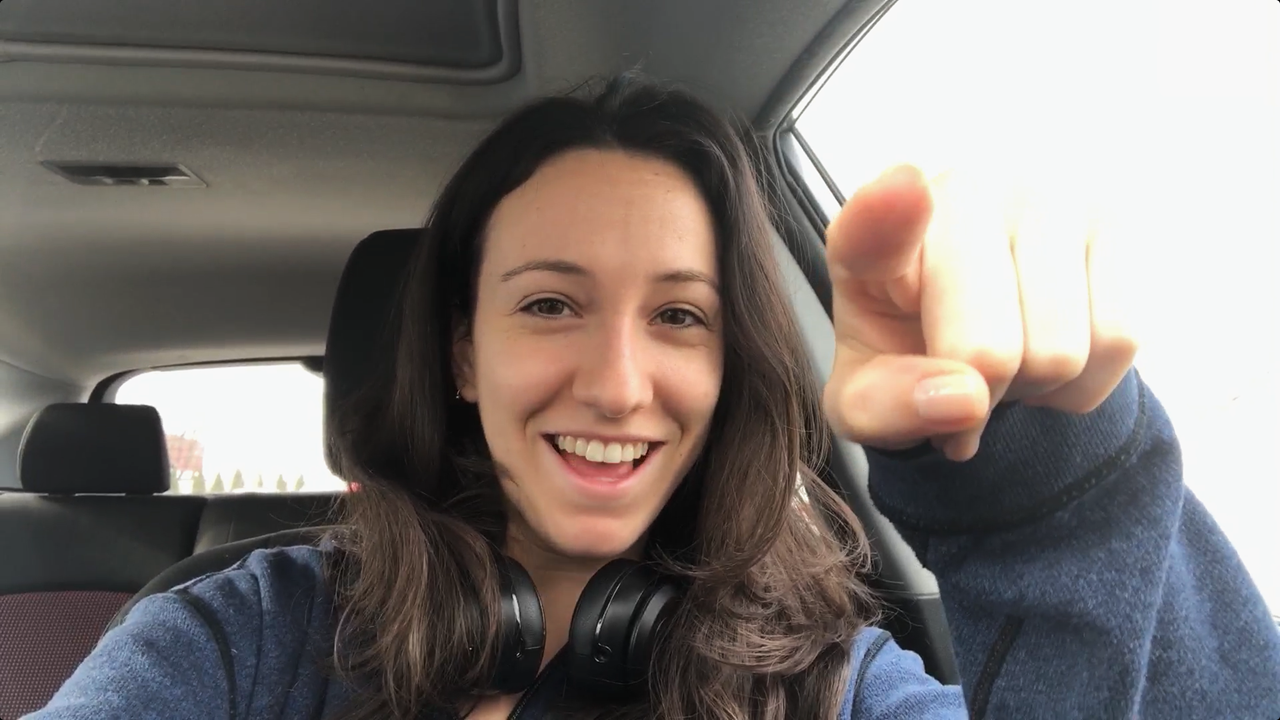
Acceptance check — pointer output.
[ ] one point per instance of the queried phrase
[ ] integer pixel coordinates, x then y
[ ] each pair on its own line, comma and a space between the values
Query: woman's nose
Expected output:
613, 377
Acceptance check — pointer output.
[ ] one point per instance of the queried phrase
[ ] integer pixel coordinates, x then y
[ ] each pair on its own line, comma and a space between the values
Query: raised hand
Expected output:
954, 295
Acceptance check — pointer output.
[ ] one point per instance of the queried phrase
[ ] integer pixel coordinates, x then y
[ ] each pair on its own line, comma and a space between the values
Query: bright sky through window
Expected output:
1168, 111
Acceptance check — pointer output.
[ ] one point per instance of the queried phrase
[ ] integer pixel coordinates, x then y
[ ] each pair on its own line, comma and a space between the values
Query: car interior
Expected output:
236, 182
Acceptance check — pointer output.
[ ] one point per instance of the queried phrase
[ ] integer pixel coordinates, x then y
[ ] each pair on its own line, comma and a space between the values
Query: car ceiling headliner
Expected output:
95, 281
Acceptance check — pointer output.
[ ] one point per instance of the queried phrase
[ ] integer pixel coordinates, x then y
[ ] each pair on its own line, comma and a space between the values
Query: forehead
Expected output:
586, 203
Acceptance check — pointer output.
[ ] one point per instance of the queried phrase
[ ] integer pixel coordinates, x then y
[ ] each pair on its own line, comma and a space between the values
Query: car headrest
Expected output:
358, 326
72, 448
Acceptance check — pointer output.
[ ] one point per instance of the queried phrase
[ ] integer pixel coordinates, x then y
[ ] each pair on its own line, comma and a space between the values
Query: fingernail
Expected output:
947, 398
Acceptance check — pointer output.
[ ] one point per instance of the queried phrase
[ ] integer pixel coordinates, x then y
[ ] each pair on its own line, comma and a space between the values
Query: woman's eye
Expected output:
547, 307
679, 317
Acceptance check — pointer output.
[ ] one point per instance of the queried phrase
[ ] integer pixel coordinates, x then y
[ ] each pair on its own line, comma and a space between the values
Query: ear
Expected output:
464, 360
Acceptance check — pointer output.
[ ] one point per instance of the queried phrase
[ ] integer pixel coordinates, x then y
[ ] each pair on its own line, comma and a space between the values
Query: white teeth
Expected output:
601, 452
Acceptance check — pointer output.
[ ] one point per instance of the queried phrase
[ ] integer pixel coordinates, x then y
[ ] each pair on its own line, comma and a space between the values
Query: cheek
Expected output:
514, 374
691, 387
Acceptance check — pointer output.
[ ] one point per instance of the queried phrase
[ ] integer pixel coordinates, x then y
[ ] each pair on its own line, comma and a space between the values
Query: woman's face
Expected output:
595, 354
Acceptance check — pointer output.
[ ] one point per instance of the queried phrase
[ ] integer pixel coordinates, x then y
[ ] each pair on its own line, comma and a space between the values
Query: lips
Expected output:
605, 471
600, 479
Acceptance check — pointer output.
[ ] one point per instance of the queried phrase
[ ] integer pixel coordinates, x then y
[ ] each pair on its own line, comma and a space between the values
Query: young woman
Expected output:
597, 374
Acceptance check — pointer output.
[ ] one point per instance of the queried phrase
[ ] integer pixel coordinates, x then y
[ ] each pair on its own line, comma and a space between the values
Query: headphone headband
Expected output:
615, 626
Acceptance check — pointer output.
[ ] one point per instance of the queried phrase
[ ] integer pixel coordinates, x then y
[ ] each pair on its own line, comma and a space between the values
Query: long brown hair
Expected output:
772, 556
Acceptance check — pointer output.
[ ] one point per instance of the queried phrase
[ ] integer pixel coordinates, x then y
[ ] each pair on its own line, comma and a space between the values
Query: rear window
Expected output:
238, 429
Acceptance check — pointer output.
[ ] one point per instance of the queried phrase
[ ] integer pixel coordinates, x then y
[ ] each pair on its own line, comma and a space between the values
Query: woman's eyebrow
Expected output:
687, 276
565, 267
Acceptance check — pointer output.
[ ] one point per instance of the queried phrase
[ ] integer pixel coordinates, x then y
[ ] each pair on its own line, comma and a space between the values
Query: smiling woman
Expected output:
615, 345
614, 287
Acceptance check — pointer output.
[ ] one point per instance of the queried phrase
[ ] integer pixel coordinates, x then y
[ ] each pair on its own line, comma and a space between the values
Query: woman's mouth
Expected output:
600, 459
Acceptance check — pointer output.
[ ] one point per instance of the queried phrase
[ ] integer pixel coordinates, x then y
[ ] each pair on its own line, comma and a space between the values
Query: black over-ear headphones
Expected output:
615, 625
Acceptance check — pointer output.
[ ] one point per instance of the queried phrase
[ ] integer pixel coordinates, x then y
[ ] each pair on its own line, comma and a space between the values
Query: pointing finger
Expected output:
877, 235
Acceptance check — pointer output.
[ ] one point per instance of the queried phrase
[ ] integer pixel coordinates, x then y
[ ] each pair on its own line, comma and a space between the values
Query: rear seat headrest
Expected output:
72, 448
358, 325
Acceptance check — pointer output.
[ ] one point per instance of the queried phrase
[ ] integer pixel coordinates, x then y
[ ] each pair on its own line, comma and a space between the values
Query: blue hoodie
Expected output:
1080, 577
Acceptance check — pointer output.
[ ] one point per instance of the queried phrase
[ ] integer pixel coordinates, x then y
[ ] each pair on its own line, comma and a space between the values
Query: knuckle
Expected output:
833, 406
1115, 347
1051, 367
844, 406
1080, 403
856, 412
991, 362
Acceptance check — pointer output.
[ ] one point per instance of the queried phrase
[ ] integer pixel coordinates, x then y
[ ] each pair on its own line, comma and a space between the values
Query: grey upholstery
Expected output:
91, 529
235, 518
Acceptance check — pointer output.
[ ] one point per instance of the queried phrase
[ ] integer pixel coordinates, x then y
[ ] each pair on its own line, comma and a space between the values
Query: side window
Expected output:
1168, 114
942, 84
234, 429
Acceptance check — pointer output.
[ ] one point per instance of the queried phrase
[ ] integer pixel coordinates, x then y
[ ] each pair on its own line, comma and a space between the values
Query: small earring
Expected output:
457, 395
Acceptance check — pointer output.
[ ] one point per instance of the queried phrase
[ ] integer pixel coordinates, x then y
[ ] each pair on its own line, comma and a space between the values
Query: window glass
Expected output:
944, 84
244, 428
1168, 113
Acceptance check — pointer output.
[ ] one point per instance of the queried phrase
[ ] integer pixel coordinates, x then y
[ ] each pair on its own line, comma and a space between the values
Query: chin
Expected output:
593, 538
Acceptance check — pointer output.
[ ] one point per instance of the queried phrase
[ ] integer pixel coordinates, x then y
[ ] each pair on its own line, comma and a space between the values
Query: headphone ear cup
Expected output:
522, 630
615, 625
650, 622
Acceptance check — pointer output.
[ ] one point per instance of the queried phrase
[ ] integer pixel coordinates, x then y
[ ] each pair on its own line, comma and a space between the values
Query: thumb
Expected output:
891, 402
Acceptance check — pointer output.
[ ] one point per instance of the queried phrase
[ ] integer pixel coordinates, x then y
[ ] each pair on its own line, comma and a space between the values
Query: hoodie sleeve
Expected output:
1081, 578
889, 683
246, 642
162, 662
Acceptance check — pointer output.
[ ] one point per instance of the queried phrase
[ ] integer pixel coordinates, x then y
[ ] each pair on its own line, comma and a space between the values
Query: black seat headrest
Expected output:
73, 448
358, 325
